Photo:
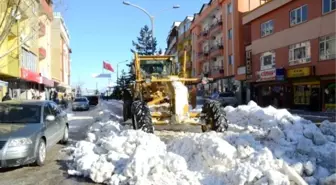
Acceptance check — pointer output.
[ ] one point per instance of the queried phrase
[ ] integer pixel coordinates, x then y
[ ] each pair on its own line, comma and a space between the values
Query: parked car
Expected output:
93, 100
227, 98
28, 129
80, 103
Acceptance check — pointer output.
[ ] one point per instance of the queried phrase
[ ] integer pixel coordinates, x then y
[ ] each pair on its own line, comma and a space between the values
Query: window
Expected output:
328, 6
230, 59
29, 60
267, 28
299, 15
267, 60
46, 112
299, 53
327, 47
229, 8
230, 34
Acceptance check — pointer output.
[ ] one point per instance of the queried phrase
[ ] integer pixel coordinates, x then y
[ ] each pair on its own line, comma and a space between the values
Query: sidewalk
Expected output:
314, 116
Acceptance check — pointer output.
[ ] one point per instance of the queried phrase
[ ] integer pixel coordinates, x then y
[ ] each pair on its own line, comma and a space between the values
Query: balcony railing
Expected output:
42, 53
42, 29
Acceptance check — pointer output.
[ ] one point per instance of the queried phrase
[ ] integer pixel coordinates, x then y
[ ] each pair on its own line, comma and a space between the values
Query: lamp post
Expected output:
118, 68
151, 17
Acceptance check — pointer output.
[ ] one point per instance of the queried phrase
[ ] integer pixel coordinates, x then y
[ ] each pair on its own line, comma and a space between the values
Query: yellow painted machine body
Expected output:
163, 88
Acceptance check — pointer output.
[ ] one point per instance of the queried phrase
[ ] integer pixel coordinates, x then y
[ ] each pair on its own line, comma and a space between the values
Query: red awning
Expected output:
47, 82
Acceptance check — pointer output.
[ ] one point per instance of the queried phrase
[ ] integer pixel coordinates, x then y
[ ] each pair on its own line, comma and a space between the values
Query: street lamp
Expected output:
151, 17
118, 68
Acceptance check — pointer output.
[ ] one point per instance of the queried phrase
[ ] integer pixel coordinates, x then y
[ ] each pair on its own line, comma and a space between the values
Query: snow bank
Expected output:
113, 155
262, 146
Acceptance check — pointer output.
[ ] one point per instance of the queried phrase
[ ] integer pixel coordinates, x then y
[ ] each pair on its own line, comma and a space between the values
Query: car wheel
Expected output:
65, 138
41, 153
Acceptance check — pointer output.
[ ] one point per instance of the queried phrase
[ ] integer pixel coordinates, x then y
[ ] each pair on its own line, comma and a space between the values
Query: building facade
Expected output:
172, 40
290, 54
217, 45
60, 63
184, 44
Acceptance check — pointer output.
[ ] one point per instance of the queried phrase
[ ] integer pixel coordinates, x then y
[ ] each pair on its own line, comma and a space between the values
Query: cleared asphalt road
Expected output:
54, 171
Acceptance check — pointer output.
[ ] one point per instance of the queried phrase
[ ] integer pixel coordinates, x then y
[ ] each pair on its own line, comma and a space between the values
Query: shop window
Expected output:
267, 60
299, 53
267, 28
330, 97
266, 91
303, 93
327, 47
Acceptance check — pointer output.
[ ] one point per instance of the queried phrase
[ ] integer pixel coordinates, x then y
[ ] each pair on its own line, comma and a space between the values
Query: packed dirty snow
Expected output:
262, 146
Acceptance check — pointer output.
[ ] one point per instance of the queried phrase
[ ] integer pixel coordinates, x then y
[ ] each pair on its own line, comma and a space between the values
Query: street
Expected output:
54, 171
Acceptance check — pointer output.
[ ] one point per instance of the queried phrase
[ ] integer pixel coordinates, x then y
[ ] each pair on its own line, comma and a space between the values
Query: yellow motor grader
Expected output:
159, 96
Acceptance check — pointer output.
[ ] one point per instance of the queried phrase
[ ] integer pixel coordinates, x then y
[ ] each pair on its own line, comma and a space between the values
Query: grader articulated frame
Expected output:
159, 96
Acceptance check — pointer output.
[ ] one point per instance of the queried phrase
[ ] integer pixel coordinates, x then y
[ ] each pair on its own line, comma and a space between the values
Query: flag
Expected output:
107, 66
101, 75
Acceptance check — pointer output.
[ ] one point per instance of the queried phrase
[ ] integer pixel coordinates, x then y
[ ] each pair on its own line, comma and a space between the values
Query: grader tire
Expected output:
214, 117
141, 117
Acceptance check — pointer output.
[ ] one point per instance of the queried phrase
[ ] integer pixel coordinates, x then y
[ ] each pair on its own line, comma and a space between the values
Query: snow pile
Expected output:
113, 155
309, 149
262, 146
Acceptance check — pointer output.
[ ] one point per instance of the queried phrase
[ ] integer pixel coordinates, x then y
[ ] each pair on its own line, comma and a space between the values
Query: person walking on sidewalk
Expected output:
6, 97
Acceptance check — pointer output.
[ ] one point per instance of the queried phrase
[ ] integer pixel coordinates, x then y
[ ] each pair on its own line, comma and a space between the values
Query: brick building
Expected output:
290, 53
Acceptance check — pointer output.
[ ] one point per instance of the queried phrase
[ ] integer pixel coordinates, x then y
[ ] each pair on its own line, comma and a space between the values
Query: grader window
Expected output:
156, 67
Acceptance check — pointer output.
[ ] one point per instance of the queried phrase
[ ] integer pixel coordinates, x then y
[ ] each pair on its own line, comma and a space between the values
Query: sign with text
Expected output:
280, 74
30, 75
299, 72
266, 75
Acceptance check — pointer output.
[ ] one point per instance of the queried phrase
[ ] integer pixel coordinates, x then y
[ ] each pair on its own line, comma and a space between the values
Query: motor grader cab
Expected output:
160, 97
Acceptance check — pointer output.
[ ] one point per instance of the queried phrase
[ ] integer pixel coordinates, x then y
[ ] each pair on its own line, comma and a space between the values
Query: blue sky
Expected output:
104, 30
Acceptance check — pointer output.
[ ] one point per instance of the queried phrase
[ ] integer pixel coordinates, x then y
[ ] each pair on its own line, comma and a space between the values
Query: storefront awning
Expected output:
47, 82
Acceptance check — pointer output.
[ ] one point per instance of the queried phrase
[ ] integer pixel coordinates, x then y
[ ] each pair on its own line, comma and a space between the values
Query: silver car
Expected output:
81, 103
28, 129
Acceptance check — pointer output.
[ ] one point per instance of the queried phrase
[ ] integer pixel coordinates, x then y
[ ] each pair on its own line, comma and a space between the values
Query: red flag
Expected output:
107, 66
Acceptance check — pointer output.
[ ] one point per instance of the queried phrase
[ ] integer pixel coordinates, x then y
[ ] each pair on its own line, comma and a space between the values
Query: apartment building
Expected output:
184, 44
290, 53
172, 40
20, 61
60, 63
44, 43
217, 44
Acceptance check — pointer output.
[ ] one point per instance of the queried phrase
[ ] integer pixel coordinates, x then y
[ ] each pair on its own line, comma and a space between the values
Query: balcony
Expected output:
46, 8
216, 49
42, 29
42, 53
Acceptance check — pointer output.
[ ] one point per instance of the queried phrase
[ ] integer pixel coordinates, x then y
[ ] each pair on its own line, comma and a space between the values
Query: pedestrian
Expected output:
6, 97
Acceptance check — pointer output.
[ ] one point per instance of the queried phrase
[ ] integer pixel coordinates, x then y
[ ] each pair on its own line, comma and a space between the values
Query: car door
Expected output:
58, 120
50, 126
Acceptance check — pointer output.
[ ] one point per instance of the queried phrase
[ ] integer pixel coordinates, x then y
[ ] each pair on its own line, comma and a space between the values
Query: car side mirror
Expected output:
50, 118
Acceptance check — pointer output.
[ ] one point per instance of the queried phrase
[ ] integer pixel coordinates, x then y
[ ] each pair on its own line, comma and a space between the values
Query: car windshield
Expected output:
80, 100
158, 67
20, 113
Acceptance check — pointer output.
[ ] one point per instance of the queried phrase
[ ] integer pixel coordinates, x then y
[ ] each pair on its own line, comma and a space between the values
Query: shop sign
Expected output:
299, 72
241, 70
280, 74
30, 75
266, 75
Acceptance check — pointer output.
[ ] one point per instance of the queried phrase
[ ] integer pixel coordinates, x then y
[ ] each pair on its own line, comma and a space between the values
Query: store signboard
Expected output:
266, 75
280, 74
30, 75
299, 72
